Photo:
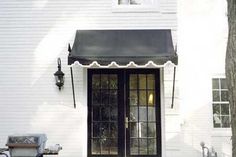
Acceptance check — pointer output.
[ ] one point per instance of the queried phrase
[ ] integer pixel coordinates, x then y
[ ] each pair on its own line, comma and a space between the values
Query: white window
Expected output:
221, 111
136, 5
136, 2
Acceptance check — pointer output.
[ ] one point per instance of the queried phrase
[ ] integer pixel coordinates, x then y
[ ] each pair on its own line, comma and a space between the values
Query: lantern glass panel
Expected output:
57, 79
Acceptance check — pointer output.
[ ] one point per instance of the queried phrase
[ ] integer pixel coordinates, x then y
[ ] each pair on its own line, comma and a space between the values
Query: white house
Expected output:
133, 95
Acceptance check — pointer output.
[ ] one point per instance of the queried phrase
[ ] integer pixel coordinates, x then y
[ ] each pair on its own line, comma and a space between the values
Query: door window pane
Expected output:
143, 113
104, 129
151, 114
96, 82
104, 97
105, 113
151, 129
143, 146
151, 146
133, 98
151, 98
96, 146
134, 129
143, 129
104, 81
151, 81
113, 82
114, 113
105, 146
133, 81
142, 98
113, 130
96, 113
142, 81
96, 130
113, 146
133, 113
134, 146
113, 97
96, 97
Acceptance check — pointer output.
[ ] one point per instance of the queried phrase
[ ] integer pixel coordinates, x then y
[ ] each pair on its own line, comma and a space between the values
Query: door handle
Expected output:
126, 122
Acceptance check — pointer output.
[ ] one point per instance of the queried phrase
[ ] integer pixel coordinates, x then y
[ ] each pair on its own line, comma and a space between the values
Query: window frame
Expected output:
155, 7
220, 102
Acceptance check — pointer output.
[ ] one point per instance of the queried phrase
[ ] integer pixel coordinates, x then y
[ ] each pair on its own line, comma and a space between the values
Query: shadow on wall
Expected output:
40, 33
41, 108
225, 155
175, 146
32, 103
199, 127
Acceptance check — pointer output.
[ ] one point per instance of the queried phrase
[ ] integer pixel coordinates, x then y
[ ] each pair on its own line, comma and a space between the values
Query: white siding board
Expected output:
29, 100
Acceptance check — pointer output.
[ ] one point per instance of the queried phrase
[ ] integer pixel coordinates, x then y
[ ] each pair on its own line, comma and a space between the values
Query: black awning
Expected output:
122, 47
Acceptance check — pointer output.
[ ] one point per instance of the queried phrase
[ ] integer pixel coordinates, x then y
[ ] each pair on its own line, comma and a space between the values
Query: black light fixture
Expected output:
59, 75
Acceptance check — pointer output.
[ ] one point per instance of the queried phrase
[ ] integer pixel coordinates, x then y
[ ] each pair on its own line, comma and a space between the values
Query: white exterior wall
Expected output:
202, 37
33, 34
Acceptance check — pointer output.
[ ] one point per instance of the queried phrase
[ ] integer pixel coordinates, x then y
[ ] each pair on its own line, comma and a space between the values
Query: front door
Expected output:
124, 113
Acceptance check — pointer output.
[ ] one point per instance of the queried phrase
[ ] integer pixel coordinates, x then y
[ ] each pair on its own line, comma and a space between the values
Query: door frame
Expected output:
156, 72
122, 105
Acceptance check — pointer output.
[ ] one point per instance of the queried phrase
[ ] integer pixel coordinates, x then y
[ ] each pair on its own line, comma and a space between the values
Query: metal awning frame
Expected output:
131, 64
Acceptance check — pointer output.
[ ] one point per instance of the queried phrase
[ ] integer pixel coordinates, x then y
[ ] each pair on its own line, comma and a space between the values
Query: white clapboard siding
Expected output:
33, 34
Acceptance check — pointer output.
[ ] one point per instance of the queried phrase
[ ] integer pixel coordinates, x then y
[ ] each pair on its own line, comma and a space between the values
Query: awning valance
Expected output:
123, 47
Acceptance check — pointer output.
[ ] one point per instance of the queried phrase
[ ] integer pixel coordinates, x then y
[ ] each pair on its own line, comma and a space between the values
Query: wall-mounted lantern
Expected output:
59, 75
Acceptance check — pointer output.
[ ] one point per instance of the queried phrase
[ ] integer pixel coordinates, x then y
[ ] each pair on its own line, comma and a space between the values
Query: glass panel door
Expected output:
104, 114
141, 114
124, 113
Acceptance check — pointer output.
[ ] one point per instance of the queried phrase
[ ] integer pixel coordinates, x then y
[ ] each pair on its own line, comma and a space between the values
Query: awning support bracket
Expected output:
73, 88
173, 89
72, 79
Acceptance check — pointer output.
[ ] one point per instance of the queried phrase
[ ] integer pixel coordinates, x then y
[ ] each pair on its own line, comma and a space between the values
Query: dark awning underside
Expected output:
122, 47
